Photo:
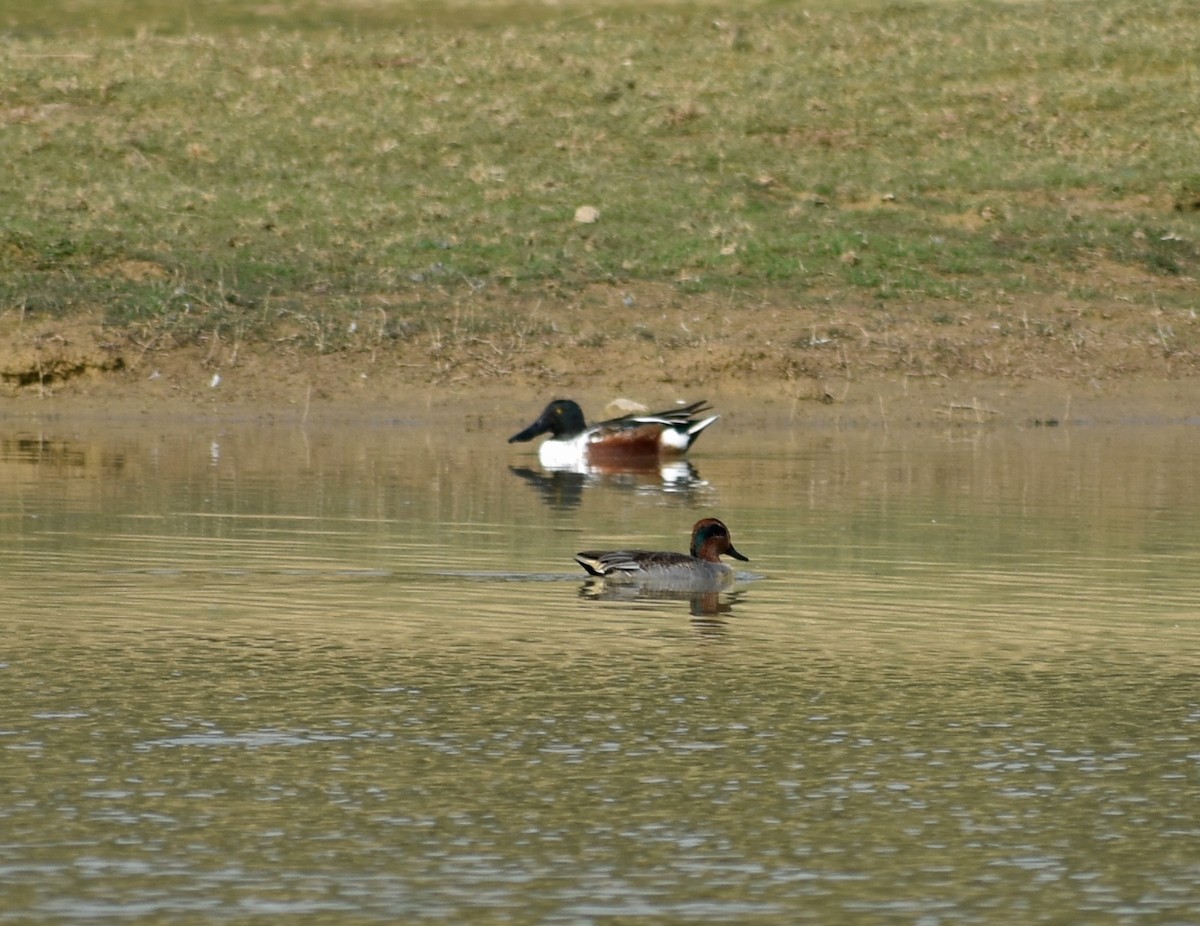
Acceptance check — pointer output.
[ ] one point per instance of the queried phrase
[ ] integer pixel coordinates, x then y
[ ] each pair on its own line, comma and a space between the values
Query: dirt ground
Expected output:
1036, 366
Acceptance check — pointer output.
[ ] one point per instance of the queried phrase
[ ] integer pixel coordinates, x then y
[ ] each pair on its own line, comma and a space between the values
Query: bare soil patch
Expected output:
1043, 362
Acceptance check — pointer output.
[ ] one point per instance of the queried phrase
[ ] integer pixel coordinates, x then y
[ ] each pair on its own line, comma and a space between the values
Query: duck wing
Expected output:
628, 562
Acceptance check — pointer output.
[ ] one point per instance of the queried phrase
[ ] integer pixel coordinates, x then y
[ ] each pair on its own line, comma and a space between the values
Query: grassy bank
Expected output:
359, 176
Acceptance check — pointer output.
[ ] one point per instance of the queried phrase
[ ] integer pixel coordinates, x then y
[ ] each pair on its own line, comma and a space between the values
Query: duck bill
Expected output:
730, 551
538, 427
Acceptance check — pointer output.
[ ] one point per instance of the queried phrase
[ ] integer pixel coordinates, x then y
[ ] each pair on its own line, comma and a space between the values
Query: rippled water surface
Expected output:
352, 674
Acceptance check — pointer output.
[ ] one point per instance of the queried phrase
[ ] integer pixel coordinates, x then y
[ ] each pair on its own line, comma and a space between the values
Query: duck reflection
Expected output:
706, 604
563, 487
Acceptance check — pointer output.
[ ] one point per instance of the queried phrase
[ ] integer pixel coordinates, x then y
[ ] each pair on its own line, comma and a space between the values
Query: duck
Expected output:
701, 567
573, 443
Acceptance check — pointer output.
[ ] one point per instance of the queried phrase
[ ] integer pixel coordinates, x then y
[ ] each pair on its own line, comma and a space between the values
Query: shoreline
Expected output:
78, 367
869, 403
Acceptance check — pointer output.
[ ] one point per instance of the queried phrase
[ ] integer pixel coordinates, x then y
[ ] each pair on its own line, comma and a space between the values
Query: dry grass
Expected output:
868, 181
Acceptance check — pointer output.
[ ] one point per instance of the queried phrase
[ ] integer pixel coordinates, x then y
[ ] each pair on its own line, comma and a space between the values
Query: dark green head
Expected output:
562, 418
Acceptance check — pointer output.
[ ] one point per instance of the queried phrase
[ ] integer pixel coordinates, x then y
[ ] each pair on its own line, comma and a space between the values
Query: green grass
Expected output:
296, 161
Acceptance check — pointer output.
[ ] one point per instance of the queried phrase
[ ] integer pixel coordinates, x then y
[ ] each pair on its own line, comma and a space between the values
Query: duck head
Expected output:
562, 418
710, 539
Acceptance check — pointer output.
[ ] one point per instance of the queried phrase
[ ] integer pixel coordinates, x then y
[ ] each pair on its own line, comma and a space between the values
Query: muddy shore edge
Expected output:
64, 368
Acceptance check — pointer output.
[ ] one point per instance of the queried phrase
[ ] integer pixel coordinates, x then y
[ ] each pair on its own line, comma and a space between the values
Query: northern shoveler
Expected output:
572, 442
701, 567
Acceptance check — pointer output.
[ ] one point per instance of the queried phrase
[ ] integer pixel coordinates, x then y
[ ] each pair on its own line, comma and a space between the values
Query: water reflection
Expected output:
350, 671
708, 603
563, 487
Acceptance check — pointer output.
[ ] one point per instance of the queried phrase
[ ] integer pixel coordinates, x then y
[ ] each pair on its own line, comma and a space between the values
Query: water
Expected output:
253, 670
